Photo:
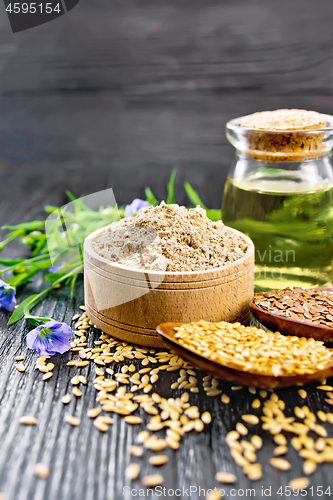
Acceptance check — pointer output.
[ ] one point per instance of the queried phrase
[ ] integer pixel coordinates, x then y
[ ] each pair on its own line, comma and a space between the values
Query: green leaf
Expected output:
11, 262
214, 214
40, 245
171, 188
18, 313
22, 278
27, 226
73, 281
150, 197
193, 195
52, 277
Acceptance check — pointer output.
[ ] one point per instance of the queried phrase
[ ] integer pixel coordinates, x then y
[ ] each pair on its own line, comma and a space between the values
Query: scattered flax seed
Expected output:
280, 450
66, 399
72, 420
158, 460
256, 403
213, 494
19, 358
47, 376
132, 471
309, 466
94, 412
322, 416
225, 398
42, 471
82, 379
225, 477
132, 419
206, 417
325, 387
302, 393
75, 380
153, 480
77, 392
100, 424
299, 483
142, 436
27, 420
241, 429
280, 439
256, 441
280, 463
136, 451
20, 367
250, 419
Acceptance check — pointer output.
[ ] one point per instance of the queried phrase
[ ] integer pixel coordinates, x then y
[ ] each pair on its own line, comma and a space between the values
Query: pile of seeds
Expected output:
253, 350
125, 389
308, 306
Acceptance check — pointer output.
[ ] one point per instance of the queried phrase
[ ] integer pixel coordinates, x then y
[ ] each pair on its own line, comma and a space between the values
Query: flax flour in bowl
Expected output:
166, 264
170, 238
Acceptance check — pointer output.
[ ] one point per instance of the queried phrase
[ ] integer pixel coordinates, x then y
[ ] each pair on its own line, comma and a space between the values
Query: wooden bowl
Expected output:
129, 303
289, 326
167, 332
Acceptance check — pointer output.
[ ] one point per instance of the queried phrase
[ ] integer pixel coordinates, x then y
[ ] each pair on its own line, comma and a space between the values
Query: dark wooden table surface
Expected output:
117, 94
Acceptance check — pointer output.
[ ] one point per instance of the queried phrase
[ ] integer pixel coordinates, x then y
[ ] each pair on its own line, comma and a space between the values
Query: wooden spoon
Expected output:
166, 330
290, 326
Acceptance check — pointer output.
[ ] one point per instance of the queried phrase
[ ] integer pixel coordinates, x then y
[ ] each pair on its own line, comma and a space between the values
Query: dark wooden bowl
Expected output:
166, 330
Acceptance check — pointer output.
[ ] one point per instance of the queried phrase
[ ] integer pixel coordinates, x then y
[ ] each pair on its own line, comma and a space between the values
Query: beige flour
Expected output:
170, 238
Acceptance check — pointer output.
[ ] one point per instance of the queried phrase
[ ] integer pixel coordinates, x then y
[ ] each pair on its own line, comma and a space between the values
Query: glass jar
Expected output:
281, 196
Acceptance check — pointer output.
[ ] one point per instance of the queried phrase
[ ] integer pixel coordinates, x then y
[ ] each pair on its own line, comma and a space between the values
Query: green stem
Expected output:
37, 320
26, 261
7, 240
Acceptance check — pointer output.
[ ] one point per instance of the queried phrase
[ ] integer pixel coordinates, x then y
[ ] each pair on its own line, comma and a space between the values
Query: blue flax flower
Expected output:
7, 296
50, 338
54, 269
136, 204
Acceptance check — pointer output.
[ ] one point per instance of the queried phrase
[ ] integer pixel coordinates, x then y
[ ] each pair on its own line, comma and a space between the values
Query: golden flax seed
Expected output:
72, 420
299, 483
20, 367
206, 417
280, 450
158, 460
256, 441
93, 412
132, 471
250, 419
28, 420
136, 451
153, 480
225, 399
132, 419
66, 399
280, 463
241, 429
309, 466
225, 477
41, 471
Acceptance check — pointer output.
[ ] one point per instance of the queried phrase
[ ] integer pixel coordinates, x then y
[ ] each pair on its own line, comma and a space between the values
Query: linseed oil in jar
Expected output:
280, 193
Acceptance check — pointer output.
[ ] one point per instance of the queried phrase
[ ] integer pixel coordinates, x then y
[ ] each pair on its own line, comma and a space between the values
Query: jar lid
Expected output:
282, 135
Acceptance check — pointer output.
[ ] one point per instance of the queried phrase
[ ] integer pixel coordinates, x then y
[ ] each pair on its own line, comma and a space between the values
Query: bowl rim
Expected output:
89, 250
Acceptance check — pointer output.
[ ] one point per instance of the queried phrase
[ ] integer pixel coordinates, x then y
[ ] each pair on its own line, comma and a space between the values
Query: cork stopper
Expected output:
277, 135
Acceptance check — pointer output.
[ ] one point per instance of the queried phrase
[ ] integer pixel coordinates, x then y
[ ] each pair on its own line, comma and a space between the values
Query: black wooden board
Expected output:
117, 94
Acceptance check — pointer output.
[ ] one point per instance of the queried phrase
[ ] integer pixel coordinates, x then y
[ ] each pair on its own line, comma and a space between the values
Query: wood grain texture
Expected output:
117, 94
